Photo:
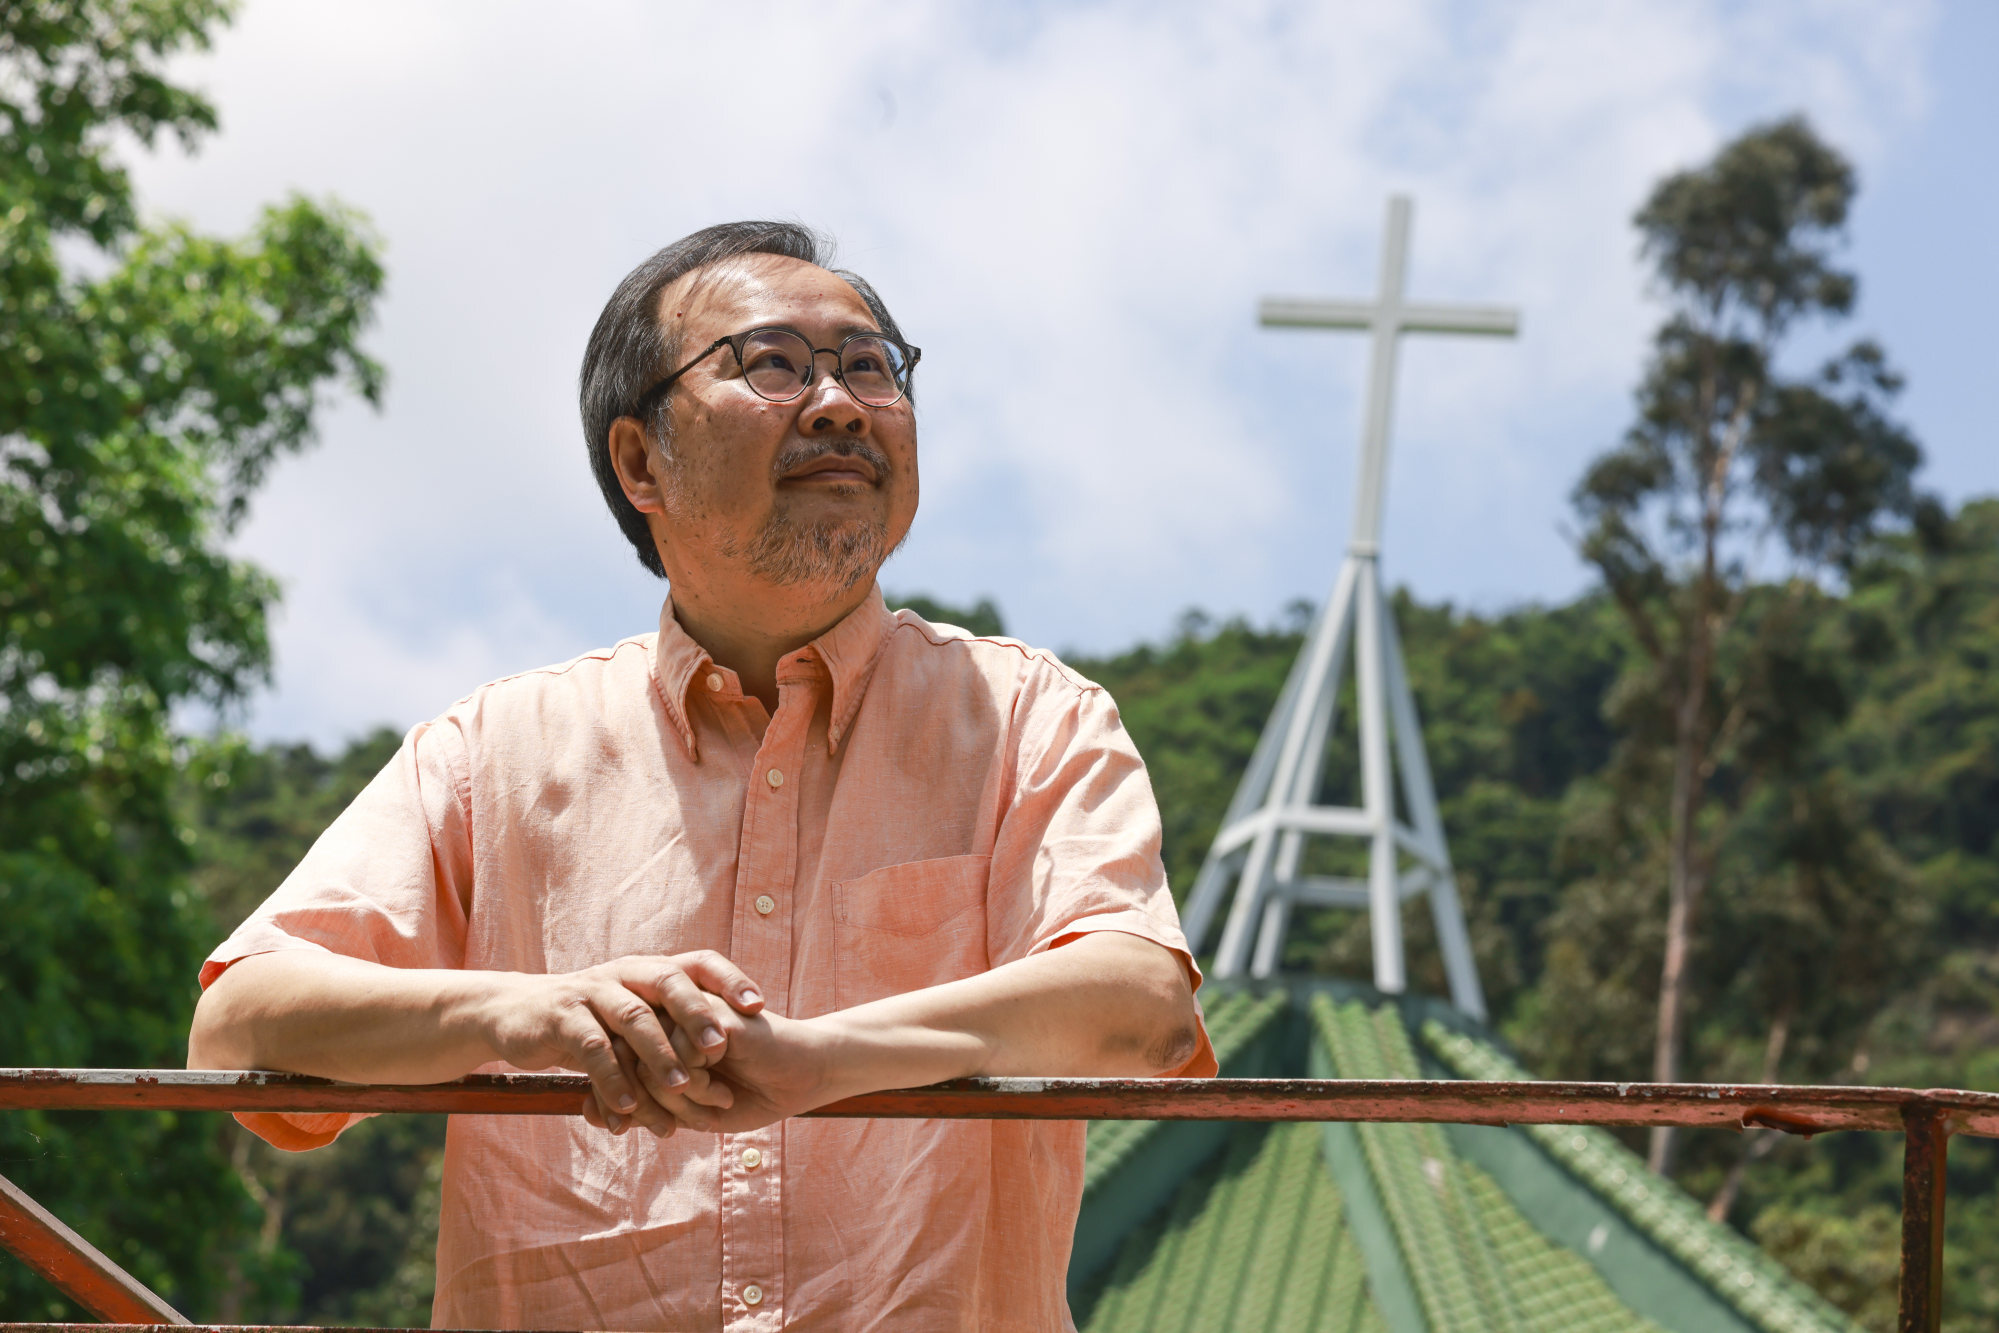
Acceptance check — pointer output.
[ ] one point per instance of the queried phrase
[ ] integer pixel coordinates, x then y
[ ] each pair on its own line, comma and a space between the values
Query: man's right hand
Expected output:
609, 1021
314, 1012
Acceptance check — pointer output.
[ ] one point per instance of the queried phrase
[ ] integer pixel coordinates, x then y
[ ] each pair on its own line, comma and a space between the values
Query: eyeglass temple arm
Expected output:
652, 395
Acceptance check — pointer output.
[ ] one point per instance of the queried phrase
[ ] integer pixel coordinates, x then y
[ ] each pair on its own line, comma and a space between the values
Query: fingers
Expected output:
689, 1106
707, 1090
625, 1015
589, 1050
718, 976
663, 983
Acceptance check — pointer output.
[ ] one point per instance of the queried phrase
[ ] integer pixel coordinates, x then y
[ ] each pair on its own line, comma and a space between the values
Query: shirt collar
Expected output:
849, 650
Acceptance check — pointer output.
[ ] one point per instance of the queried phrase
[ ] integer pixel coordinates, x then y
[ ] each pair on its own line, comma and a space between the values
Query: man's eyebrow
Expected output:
849, 330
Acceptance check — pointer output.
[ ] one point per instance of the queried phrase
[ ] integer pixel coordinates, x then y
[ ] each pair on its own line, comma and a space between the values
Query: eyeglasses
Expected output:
778, 365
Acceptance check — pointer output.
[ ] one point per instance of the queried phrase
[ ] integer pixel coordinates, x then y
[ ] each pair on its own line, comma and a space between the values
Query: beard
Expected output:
835, 554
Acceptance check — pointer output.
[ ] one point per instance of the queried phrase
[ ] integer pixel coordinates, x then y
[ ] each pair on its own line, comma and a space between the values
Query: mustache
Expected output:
800, 454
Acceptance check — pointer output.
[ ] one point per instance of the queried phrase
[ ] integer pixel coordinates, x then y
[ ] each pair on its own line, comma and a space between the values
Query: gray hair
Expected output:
629, 348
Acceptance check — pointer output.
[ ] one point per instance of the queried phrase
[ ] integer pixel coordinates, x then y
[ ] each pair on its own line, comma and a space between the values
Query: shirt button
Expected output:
752, 1159
766, 905
775, 778
715, 680
753, 1295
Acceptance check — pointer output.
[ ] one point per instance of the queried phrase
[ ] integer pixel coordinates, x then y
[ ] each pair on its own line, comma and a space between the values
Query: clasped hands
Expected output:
668, 1042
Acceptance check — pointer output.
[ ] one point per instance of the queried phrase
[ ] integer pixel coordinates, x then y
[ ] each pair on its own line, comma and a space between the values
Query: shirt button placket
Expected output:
752, 1185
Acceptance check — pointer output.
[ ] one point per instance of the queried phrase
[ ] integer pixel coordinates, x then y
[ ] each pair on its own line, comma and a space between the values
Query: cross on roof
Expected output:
1388, 318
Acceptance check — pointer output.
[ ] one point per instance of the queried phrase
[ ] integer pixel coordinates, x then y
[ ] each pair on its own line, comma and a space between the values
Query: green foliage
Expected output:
357, 1220
143, 395
1195, 706
982, 617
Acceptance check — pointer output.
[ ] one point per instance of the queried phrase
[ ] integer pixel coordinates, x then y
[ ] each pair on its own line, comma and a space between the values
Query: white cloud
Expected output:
1074, 209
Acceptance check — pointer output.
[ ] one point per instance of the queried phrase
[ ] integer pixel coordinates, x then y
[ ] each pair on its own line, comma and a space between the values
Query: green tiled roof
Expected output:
1257, 1240
1400, 1228
1734, 1268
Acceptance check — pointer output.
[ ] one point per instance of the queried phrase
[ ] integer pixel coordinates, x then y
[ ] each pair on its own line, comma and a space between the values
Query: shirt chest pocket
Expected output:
908, 926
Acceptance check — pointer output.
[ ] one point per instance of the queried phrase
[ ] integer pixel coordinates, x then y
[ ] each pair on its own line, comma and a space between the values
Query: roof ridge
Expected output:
1411, 1166
1729, 1264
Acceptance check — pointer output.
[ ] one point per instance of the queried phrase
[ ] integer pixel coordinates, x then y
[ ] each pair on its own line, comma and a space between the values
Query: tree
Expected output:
1730, 455
144, 392
359, 1217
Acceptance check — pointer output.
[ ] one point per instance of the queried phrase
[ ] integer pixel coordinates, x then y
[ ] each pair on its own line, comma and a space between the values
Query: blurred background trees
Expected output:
1766, 745
149, 376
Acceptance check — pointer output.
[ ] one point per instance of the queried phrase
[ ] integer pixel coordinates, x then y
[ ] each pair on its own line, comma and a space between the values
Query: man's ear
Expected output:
631, 458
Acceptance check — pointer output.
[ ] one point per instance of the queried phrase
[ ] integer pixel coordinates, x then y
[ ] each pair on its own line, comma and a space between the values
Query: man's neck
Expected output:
750, 634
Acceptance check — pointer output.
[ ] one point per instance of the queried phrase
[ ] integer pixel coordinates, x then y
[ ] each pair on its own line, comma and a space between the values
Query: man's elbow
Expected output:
215, 1039
1170, 1027
1176, 1044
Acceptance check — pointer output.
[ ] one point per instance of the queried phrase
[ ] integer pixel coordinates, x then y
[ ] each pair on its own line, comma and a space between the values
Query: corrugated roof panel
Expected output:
1552, 1288
1198, 1227
1256, 1241
1725, 1261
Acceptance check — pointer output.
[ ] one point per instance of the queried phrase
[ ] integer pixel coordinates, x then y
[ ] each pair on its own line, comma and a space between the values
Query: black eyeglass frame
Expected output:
735, 342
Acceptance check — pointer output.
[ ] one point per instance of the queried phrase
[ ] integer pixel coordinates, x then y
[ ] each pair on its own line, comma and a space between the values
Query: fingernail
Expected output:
711, 1036
677, 1078
627, 1102
751, 997
613, 1121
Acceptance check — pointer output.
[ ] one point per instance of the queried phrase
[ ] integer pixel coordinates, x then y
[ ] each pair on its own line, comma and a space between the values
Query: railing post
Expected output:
1925, 1153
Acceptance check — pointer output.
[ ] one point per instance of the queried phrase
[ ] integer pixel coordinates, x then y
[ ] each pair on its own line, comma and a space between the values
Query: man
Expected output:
791, 848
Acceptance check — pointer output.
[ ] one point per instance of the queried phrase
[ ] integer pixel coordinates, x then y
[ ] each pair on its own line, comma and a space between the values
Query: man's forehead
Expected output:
756, 287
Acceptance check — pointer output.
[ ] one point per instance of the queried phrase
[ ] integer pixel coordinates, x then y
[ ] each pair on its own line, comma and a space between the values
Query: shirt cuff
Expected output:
297, 1131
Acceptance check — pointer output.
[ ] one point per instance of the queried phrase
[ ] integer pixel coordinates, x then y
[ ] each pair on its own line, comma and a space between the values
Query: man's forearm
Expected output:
319, 1013
1107, 1005
346, 1018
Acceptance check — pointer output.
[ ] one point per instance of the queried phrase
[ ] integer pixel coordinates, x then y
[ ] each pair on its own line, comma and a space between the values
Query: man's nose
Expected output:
829, 409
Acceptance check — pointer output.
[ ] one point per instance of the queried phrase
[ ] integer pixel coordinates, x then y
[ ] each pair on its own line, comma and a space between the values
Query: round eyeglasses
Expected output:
778, 365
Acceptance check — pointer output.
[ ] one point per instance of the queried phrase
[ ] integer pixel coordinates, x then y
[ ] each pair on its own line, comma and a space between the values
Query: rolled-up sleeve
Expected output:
1078, 849
389, 881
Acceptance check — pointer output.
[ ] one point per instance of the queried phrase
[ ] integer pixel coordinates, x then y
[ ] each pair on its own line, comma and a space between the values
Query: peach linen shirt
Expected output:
923, 805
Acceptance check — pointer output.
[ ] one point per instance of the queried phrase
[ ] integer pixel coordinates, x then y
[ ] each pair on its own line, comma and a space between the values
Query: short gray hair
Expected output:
629, 349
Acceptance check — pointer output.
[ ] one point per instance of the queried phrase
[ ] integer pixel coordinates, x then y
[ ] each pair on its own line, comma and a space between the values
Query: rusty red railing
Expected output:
1926, 1119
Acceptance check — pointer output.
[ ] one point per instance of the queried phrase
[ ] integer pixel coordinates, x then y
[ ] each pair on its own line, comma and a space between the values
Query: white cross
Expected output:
1387, 319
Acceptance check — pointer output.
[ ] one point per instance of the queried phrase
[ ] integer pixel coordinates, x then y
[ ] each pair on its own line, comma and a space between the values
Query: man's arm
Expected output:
312, 1012
1107, 1005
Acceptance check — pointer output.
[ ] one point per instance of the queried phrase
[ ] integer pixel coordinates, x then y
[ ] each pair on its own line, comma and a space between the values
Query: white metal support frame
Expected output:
1262, 838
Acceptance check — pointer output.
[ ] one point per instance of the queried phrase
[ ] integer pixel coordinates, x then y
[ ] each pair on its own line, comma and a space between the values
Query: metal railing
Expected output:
1925, 1119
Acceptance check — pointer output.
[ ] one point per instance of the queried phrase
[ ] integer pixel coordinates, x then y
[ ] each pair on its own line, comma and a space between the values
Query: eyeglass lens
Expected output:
776, 363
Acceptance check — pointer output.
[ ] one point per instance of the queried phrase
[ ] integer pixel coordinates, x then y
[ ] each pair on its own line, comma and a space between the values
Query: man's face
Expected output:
811, 494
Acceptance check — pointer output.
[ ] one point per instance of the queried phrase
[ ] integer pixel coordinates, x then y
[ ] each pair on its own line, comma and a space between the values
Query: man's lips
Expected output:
835, 467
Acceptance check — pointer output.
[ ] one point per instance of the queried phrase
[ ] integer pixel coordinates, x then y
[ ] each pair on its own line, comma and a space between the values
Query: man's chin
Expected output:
831, 552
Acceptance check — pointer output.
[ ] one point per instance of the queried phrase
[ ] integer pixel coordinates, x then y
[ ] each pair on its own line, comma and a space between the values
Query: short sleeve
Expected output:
1077, 849
389, 881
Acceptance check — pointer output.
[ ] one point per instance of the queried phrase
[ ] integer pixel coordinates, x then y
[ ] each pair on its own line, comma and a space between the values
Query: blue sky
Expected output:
1103, 187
